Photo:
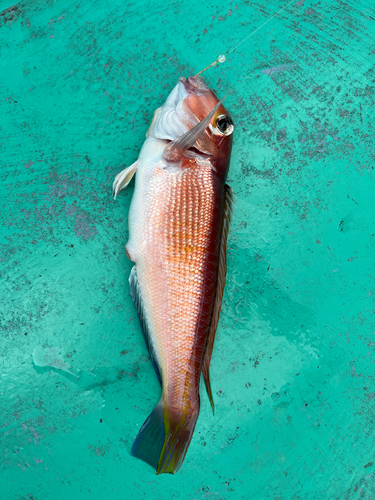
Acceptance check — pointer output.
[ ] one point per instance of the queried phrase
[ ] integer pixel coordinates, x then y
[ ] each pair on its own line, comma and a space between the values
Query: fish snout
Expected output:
194, 85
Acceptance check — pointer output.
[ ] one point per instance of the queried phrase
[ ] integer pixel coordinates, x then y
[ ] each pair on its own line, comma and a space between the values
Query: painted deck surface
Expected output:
293, 364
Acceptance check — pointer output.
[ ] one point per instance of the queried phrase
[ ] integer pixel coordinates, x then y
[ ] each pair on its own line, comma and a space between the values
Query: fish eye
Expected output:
224, 125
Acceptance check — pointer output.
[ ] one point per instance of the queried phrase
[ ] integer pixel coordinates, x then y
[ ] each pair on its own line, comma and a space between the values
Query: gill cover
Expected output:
175, 149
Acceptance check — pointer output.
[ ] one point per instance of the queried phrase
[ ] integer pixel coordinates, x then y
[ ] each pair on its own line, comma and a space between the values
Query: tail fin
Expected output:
164, 438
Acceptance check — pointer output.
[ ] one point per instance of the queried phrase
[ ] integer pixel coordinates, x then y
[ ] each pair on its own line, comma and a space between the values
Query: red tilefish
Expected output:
178, 227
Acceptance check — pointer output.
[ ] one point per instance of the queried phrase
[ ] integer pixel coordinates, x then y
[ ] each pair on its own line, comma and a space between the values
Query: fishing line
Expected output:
222, 58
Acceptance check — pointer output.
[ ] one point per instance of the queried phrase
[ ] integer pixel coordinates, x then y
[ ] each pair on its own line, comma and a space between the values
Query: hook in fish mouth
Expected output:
194, 85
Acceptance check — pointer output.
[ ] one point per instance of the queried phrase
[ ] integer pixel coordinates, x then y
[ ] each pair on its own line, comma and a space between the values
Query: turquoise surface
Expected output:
293, 363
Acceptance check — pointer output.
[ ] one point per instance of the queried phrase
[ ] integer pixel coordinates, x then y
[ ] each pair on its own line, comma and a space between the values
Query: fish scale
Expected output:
185, 270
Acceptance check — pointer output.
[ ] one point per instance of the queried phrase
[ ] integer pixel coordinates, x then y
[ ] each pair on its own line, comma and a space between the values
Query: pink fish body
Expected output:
178, 225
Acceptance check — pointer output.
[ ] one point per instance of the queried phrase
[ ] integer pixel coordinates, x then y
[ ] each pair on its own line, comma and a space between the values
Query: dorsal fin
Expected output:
228, 211
135, 294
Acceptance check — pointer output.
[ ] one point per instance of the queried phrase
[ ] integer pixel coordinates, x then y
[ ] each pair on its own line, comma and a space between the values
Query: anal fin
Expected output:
135, 294
228, 211
123, 178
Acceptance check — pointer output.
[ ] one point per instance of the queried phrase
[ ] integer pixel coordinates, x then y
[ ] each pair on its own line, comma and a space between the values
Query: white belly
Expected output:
150, 161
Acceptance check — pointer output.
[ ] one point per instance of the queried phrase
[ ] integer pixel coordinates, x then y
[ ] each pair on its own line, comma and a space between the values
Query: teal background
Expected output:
293, 363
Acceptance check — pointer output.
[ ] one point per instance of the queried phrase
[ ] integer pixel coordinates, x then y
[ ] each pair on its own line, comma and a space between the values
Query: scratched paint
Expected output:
293, 364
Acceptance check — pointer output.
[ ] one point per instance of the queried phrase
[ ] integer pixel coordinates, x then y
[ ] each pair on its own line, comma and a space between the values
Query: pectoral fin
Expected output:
123, 178
228, 210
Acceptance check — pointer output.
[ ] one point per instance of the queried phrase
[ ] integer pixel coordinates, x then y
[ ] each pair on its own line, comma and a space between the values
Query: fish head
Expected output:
198, 103
189, 104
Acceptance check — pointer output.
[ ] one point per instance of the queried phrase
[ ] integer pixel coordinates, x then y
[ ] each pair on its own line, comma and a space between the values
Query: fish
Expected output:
179, 220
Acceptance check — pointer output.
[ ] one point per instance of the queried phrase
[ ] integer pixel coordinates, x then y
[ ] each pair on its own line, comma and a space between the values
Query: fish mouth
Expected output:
194, 85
